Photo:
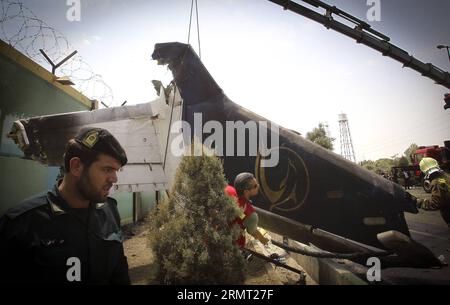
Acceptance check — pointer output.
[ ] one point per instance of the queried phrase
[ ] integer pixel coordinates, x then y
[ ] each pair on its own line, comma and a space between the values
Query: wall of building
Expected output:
27, 90
125, 204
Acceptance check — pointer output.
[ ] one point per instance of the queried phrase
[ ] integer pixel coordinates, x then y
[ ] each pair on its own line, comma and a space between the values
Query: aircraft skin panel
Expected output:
132, 126
47, 135
140, 178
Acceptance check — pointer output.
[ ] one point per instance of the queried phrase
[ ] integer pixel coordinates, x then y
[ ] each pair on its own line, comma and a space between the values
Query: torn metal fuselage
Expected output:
310, 184
44, 138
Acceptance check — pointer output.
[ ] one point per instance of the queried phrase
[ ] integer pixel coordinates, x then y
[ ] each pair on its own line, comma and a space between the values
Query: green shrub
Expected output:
190, 231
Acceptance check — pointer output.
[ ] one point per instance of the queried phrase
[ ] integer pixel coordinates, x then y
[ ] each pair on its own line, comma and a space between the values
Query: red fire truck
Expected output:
439, 153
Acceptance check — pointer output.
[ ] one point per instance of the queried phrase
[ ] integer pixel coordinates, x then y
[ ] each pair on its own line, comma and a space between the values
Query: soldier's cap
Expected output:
101, 140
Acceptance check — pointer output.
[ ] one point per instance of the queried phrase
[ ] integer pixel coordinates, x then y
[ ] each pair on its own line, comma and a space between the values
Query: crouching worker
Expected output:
72, 233
245, 187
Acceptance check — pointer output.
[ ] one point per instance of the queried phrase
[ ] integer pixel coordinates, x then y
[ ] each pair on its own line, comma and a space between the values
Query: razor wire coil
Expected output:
24, 31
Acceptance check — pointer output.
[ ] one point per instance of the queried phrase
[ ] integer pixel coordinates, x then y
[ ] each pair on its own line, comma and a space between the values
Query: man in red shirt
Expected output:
245, 187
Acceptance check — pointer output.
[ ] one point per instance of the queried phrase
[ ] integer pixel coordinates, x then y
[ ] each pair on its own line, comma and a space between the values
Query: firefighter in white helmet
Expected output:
440, 189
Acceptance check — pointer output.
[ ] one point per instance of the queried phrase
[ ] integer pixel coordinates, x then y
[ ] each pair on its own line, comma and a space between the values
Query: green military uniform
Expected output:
38, 237
440, 196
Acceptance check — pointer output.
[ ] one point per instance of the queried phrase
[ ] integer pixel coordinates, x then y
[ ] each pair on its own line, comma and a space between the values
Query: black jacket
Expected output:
42, 237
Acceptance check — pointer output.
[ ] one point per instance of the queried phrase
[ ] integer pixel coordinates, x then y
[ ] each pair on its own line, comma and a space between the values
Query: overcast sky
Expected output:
278, 64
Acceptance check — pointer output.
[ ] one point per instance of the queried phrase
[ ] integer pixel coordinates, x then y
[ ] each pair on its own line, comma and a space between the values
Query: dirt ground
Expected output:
140, 257
259, 272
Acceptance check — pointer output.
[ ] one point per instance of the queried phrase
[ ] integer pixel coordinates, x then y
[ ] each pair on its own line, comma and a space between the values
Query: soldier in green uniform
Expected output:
440, 188
70, 234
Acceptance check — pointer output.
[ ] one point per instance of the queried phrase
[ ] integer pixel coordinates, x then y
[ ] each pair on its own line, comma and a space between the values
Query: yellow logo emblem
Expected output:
286, 186
90, 139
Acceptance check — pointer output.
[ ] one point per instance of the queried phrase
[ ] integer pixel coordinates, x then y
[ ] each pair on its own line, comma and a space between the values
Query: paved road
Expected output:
429, 229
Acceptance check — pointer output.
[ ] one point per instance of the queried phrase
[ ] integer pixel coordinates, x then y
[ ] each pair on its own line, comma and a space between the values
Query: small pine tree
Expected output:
190, 231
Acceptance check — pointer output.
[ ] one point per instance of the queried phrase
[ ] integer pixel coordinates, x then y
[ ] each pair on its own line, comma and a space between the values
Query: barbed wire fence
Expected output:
24, 31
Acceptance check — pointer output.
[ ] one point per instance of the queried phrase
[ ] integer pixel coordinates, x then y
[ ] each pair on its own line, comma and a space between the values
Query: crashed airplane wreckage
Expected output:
310, 195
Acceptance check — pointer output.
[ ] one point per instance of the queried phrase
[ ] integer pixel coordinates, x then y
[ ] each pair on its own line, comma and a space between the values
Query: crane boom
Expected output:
364, 34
